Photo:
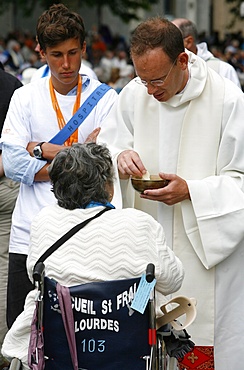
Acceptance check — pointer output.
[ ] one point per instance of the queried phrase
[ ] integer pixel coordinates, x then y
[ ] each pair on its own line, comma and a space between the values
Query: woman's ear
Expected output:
110, 190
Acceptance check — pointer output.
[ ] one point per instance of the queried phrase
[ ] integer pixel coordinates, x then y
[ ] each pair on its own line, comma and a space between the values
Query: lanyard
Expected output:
61, 122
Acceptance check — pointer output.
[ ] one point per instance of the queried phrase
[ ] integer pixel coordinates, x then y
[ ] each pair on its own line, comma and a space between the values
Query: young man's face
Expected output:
64, 61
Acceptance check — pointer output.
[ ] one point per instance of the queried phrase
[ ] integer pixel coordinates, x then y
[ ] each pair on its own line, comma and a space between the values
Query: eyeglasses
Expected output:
156, 83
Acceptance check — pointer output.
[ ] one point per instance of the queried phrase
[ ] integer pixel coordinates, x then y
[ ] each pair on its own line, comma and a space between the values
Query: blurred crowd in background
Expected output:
107, 55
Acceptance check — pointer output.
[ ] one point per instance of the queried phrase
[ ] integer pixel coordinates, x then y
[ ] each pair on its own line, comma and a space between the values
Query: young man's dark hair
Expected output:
58, 24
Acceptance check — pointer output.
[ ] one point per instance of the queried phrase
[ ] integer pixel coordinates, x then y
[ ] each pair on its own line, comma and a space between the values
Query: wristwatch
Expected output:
37, 151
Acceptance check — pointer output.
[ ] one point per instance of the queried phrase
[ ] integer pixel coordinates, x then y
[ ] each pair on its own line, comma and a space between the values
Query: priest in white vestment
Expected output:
184, 121
190, 36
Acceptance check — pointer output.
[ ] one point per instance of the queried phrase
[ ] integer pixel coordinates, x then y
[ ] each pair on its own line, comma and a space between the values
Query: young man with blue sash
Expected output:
38, 111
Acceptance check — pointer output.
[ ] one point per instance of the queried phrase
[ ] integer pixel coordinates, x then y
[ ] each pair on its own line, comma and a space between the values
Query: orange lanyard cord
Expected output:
61, 122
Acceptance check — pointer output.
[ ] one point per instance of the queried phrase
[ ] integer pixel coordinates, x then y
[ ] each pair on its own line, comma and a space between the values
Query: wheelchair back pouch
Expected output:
107, 335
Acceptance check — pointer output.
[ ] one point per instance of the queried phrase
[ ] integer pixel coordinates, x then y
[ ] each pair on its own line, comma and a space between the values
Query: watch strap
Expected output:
40, 144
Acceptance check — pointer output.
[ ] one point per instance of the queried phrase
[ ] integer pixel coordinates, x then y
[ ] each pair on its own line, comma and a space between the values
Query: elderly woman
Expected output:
117, 245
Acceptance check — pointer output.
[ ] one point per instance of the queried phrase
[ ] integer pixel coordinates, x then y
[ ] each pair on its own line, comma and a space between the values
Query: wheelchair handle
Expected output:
15, 364
38, 271
150, 272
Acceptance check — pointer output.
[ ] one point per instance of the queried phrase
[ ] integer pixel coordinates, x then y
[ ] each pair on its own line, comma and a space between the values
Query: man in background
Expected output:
190, 36
8, 194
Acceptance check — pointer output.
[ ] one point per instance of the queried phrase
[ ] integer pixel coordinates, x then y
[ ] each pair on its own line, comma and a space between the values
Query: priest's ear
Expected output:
183, 60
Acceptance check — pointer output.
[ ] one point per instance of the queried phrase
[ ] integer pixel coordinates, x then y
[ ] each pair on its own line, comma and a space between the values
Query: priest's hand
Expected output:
130, 164
176, 191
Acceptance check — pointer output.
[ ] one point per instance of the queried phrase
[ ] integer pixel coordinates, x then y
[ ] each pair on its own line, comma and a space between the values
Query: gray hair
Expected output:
187, 28
80, 174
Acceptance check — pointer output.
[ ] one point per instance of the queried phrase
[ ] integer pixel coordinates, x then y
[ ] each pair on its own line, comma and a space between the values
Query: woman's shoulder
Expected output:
136, 214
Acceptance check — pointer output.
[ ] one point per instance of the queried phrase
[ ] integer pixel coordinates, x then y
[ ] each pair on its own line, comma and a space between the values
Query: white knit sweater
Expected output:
119, 244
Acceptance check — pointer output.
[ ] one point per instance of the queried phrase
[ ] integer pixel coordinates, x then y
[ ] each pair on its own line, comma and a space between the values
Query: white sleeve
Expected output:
216, 209
19, 165
16, 341
228, 71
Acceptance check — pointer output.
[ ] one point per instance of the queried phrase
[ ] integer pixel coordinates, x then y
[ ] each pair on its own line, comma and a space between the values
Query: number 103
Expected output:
93, 345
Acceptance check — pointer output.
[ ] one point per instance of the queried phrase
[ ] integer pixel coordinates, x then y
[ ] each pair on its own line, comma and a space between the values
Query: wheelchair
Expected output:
103, 326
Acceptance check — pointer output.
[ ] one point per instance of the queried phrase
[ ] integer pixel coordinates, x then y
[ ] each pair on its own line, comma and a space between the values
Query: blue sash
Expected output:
80, 115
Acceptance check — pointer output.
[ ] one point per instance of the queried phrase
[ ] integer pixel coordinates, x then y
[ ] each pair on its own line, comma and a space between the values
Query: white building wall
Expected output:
197, 11
203, 21
10, 21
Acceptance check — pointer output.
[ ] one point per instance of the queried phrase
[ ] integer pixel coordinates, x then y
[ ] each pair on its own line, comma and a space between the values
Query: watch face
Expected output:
37, 152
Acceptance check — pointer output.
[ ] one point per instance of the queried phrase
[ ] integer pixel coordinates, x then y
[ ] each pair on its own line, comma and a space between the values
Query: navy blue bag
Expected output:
108, 336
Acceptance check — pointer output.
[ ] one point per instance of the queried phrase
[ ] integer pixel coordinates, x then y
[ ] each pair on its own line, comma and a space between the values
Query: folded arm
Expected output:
19, 165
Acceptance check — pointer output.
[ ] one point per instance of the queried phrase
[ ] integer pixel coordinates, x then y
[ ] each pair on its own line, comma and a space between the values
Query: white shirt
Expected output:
28, 121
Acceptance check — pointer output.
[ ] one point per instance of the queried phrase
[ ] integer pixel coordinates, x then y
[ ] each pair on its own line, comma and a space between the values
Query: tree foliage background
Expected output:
126, 10
235, 7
